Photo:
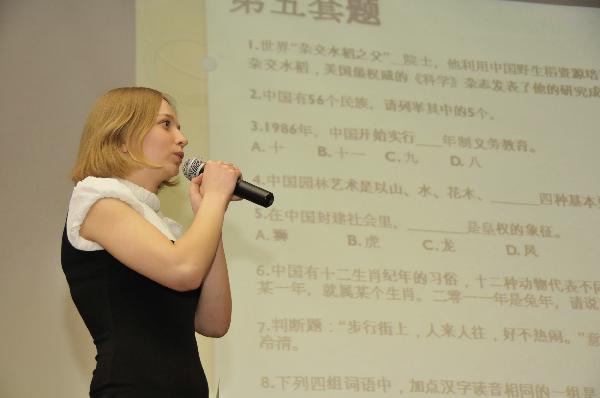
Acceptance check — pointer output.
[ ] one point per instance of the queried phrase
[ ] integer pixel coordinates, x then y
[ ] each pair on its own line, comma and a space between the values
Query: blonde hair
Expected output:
120, 118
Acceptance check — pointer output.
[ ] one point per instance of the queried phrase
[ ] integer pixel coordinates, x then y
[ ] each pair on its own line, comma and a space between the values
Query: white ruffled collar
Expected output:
142, 194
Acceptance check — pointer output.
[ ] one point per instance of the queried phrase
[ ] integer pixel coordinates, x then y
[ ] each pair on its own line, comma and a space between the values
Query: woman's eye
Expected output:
166, 123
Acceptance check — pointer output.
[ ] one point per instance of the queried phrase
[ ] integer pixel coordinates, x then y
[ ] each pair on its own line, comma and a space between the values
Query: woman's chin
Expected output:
174, 172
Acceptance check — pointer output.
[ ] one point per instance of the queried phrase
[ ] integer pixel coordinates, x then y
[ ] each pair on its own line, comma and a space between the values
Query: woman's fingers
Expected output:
220, 176
197, 180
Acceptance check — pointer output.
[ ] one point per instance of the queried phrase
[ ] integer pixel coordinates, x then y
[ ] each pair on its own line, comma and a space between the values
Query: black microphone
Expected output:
193, 167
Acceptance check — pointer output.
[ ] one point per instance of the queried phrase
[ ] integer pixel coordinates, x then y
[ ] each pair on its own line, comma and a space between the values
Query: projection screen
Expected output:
436, 220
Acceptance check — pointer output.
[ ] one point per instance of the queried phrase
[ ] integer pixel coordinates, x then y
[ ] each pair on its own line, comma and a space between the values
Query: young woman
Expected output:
142, 286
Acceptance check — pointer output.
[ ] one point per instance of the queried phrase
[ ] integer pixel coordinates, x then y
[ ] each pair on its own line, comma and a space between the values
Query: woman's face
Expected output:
164, 143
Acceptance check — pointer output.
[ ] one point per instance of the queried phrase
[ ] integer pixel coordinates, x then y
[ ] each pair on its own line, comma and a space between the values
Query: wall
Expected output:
56, 58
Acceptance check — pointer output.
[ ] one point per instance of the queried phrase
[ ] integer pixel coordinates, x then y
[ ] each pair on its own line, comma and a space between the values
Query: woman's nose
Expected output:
182, 140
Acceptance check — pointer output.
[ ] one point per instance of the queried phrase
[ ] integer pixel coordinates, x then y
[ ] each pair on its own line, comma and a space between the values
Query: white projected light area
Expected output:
436, 216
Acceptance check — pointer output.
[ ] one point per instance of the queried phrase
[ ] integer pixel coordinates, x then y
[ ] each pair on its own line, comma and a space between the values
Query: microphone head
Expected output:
192, 168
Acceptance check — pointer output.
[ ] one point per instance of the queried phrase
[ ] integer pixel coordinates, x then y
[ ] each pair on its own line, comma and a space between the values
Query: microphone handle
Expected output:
254, 194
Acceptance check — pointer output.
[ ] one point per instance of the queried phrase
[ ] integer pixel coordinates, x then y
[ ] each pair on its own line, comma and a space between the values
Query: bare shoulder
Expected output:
135, 242
103, 214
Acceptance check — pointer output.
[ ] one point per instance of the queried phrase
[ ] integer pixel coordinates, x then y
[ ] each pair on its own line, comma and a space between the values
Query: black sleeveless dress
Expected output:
143, 332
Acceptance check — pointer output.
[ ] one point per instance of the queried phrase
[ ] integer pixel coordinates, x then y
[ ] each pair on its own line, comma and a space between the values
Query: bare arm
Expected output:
139, 245
213, 312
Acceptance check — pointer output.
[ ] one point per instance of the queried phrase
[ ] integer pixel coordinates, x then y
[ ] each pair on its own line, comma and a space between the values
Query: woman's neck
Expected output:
144, 179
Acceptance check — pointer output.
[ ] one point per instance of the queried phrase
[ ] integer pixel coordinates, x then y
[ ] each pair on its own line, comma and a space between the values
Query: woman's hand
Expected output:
195, 196
218, 178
